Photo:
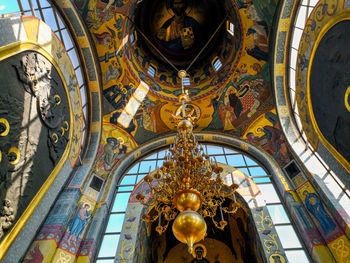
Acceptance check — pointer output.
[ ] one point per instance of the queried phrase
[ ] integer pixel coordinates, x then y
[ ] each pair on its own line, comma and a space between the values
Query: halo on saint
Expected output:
169, 4
121, 140
199, 245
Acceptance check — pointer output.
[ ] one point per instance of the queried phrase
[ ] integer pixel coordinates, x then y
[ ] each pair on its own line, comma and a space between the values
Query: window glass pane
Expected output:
132, 38
79, 76
105, 261
232, 27
35, 4
227, 150
38, 15
44, 3
292, 79
187, 82
217, 64
25, 4
83, 99
344, 201
160, 163
115, 223
313, 2
140, 177
293, 58
8, 7
152, 156
60, 22
50, 18
235, 160
309, 11
151, 71
120, 202
250, 161
262, 180
214, 150
292, 83
125, 188
161, 154
67, 40
73, 57
296, 37
221, 159
296, 256
244, 170
269, 193
278, 214
134, 169
256, 171
82, 141
288, 237
300, 21
58, 35
109, 246
129, 179
145, 166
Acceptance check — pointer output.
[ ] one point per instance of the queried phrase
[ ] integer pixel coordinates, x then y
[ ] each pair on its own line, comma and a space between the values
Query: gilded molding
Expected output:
6, 52
342, 16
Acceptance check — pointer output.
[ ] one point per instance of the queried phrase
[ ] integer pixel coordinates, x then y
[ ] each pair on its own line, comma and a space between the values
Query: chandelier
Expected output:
189, 186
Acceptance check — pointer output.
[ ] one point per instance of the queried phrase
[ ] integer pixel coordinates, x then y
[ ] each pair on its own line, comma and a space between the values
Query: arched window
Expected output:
230, 27
187, 81
217, 64
330, 180
260, 176
151, 71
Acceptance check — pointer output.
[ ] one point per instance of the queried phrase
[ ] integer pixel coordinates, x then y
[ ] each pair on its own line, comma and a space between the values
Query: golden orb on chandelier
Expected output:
189, 227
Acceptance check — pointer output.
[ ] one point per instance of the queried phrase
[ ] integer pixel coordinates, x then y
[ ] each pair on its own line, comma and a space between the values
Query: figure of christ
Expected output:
180, 31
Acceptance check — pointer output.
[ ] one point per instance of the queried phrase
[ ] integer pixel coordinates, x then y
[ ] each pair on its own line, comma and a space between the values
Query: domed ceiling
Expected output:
142, 44
193, 44
161, 22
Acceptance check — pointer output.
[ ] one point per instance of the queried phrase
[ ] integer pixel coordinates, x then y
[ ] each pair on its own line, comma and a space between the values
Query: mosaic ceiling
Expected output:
141, 45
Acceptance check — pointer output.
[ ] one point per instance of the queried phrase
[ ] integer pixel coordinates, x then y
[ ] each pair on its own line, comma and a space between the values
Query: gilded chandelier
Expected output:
188, 187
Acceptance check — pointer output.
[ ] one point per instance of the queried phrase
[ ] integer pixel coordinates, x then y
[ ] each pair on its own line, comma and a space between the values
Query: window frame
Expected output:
249, 162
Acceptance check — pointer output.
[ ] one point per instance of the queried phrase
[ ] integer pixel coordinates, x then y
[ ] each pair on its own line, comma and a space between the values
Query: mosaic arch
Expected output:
116, 231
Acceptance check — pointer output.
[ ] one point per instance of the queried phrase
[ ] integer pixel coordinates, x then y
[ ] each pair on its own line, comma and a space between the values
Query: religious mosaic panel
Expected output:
328, 71
266, 133
321, 14
35, 124
140, 84
116, 142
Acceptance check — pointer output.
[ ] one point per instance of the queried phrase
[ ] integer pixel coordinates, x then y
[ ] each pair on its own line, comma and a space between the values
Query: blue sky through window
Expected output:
7, 6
